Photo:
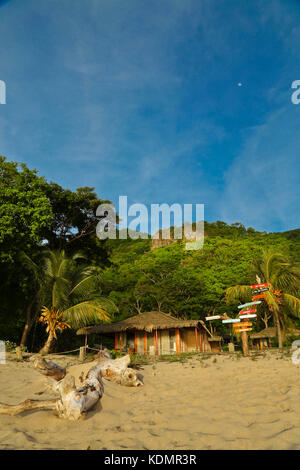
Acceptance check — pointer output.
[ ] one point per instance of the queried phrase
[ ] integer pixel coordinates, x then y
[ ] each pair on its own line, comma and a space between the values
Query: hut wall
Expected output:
203, 343
188, 339
163, 342
166, 341
140, 342
215, 346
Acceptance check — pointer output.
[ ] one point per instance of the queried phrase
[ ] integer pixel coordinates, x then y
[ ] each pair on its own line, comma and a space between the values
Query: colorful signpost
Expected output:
241, 325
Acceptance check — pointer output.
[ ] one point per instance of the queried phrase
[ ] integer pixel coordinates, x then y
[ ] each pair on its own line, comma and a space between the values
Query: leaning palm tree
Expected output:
282, 299
70, 295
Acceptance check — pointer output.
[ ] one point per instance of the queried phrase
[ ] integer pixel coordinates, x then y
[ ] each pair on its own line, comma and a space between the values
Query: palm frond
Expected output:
272, 302
60, 292
293, 304
86, 313
83, 285
237, 293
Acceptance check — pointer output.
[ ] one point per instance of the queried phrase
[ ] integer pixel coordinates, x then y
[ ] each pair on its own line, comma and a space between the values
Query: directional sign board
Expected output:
258, 291
260, 296
242, 325
244, 312
258, 286
250, 303
244, 329
252, 315
214, 317
231, 320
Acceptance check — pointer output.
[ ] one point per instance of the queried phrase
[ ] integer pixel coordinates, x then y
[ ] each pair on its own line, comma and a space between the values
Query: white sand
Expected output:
228, 404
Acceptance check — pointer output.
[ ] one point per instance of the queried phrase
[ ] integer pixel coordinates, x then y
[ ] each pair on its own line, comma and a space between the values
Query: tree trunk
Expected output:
47, 346
28, 324
279, 334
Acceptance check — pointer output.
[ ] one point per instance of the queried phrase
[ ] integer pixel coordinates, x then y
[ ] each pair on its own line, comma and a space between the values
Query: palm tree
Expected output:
70, 297
282, 299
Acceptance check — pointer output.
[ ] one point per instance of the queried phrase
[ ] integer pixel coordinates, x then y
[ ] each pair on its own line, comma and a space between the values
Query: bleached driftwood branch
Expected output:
116, 370
73, 402
48, 368
27, 405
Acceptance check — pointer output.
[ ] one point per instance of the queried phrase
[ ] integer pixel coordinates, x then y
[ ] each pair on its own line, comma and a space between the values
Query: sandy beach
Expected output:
208, 402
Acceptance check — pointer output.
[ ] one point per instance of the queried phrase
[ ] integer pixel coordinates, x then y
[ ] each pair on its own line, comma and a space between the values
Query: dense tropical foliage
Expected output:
51, 259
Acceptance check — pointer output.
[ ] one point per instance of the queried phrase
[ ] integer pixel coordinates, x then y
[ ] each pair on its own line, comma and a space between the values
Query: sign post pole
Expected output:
245, 345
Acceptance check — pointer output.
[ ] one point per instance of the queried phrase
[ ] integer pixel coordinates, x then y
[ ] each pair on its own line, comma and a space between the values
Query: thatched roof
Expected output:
271, 332
147, 321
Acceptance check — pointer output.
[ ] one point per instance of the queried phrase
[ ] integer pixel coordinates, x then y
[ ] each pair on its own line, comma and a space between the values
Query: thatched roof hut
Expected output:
271, 332
147, 321
262, 339
155, 331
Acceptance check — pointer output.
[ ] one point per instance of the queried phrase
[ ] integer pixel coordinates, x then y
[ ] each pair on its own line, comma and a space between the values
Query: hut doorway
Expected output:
172, 341
150, 344
130, 342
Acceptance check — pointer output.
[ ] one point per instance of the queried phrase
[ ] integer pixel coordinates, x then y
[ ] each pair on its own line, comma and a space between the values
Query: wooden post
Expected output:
19, 353
196, 338
145, 343
135, 342
177, 340
85, 344
116, 341
200, 341
82, 353
245, 343
155, 342
121, 342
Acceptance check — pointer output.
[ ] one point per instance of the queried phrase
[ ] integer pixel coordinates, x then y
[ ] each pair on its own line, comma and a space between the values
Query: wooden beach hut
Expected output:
155, 333
262, 339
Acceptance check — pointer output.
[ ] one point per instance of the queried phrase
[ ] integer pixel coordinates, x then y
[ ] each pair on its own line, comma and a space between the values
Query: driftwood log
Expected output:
48, 368
72, 402
117, 370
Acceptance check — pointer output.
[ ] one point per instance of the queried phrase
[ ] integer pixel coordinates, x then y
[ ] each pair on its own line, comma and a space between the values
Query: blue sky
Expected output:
141, 98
